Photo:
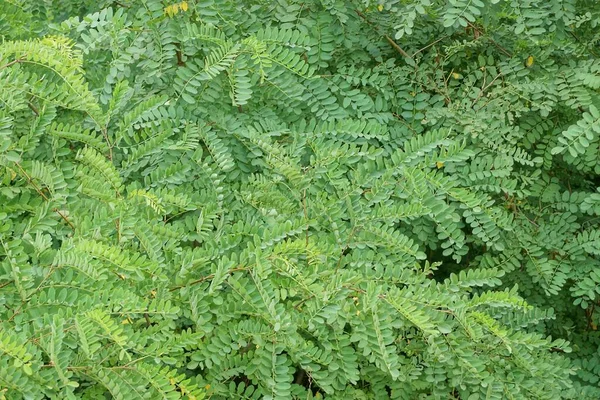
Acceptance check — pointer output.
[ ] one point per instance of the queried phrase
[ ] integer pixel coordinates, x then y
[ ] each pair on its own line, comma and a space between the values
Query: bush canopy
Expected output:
299, 199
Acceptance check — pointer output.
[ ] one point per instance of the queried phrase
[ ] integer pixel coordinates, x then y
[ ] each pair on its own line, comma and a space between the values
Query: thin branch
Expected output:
34, 109
579, 41
31, 182
64, 217
486, 87
429, 45
205, 278
6, 284
16, 61
389, 39
502, 49
41, 193
110, 145
398, 48
17, 312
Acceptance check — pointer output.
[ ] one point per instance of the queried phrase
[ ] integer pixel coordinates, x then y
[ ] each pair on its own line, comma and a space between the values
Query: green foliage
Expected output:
299, 199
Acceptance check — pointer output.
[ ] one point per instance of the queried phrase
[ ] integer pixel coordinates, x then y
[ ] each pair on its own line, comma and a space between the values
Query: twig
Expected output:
6, 284
502, 49
31, 182
41, 193
389, 39
56, 210
403, 122
205, 278
16, 61
429, 45
298, 304
578, 40
52, 269
305, 216
34, 109
486, 87
339, 263
110, 146
398, 48
17, 312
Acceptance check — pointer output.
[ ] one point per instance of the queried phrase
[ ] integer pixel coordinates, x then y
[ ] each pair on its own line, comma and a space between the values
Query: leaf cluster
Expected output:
284, 200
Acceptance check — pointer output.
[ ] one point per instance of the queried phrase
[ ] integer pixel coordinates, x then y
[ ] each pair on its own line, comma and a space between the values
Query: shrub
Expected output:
333, 199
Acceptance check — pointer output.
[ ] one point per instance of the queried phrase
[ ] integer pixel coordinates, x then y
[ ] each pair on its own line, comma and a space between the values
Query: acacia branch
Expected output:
481, 31
16, 61
389, 39
34, 109
41, 193
430, 44
205, 278
398, 48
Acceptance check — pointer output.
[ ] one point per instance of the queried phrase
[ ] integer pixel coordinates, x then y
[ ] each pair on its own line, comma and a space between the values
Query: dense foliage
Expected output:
341, 199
